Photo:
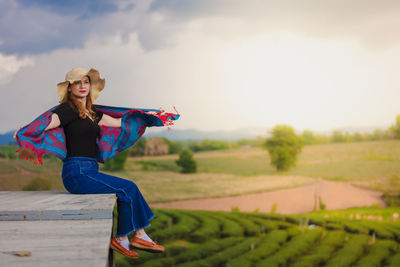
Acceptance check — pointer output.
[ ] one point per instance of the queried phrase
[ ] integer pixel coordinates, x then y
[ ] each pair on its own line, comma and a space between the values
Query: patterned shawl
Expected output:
34, 141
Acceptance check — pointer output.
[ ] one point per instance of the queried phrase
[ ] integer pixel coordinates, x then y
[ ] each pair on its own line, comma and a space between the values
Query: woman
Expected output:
80, 121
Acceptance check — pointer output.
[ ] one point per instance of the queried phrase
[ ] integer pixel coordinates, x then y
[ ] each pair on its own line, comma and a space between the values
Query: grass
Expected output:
6, 167
188, 235
8, 148
364, 213
192, 186
288, 246
372, 165
17, 173
353, 161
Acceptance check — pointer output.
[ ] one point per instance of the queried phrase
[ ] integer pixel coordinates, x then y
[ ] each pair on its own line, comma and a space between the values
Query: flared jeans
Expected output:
81, 176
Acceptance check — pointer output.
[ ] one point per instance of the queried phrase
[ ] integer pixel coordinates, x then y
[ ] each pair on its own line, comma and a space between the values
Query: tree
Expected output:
338, 137
138, 148
116, 163
283, 146
11, 155
309, 137
207, 145
186, 162
378, 134
357, 137
174, 147
395, 129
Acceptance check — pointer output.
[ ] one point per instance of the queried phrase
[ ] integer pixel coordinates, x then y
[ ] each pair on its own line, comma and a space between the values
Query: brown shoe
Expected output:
142, 244
115, 245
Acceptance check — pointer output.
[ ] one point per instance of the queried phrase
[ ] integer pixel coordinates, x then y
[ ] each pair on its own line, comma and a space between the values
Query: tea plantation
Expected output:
205, 238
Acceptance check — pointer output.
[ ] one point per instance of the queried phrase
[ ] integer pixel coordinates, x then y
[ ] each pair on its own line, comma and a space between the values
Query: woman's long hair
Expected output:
69, 97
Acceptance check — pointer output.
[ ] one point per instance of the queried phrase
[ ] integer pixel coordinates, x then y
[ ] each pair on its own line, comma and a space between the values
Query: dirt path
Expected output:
335, 195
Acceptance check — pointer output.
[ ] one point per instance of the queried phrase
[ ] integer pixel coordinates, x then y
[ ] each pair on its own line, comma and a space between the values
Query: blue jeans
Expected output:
81, 176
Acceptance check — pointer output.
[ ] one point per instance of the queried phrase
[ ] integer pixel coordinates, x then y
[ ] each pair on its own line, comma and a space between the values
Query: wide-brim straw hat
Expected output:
76, 74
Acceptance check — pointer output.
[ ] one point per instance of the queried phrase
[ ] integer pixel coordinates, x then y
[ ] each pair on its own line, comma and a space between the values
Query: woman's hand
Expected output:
15, 134
107, 120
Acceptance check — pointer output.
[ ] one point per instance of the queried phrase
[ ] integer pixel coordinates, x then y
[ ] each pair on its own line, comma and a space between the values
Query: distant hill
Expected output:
250, 133
173, 134
7, 138
193, 134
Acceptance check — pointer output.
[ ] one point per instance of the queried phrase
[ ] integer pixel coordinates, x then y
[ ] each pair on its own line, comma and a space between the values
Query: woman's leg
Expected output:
81, 176
133, 211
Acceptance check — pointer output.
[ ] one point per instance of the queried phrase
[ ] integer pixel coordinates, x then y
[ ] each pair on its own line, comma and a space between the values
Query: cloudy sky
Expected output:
223, 64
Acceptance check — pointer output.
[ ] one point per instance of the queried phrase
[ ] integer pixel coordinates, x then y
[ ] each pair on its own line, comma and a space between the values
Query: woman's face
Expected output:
81, 88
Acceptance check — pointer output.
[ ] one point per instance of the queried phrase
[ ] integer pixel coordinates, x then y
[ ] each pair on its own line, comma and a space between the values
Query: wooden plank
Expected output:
55, 243
54, 205
43, 217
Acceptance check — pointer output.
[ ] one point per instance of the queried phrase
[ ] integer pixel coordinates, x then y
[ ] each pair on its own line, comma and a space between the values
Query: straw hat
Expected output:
76, 74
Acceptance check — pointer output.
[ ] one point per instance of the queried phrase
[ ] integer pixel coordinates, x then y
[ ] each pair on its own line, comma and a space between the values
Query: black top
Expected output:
81, 134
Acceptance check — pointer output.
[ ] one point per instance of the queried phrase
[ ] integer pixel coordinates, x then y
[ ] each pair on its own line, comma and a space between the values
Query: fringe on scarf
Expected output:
163, 117
29, 155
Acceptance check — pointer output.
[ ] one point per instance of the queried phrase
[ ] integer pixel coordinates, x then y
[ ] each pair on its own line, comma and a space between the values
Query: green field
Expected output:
17, 173
349, 161
353, 237
204, 238
374, 165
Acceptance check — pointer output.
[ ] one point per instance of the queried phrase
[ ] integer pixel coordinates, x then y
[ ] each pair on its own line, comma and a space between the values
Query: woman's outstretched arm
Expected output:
55, 122
107, 120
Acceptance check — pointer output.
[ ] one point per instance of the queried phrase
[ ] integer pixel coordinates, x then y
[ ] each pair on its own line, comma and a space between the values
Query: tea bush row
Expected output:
161, 222
255, 239
250, 228
298, 245
207, 249
183, 225
352, 250
225, 255
378, 253
395, 260
271, 243
209, 228
229, 227
321, 253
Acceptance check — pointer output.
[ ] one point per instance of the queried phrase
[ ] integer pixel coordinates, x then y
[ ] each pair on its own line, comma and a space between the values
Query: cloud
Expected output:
44, 26
34, 27
82, 9
134, 78
223, 64
371, 23
10, 65
218, 84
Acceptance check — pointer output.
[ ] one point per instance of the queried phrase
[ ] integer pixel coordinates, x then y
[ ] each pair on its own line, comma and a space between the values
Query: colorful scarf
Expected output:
34, 141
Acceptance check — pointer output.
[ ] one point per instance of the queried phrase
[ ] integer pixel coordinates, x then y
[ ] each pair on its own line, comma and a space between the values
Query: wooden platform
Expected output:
53, 228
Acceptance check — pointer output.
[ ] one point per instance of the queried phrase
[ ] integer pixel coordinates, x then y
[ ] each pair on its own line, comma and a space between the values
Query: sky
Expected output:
224, 64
